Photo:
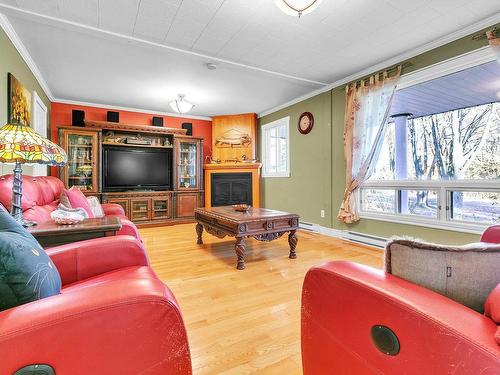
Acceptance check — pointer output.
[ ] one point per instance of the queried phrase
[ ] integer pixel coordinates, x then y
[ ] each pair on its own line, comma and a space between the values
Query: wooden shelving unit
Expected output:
142, 207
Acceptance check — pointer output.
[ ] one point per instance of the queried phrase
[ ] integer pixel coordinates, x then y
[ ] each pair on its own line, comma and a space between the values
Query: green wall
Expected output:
308, 189
317, 179
12, 62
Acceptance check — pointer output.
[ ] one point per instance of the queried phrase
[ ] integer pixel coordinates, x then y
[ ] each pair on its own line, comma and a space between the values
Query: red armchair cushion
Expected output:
74, 198
492, 310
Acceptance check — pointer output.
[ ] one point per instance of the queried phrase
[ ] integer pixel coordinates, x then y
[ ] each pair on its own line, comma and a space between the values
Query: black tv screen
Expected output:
127, 168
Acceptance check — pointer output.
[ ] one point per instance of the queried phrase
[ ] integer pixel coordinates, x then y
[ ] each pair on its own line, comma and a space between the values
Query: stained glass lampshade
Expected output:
20, 144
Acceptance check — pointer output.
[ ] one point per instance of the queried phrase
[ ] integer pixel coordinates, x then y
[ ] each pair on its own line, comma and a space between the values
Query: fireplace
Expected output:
231, 188
236, 183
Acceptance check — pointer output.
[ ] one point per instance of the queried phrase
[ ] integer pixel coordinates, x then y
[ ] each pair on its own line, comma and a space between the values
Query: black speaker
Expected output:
189, 127
113, 116
157, 121
77, 117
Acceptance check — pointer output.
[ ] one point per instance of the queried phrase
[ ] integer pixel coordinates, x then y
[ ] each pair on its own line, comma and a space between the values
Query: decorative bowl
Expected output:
66, 217
67, 221
241, 207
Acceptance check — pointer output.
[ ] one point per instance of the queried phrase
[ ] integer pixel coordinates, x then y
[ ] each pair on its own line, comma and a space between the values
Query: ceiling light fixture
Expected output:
297, 8
181, 105
211, 66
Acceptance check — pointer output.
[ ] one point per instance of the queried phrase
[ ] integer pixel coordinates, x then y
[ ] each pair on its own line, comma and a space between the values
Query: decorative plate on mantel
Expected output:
305, 123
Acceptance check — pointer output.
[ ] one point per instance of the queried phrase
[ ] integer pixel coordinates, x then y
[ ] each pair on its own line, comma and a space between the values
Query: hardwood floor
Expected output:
242, 322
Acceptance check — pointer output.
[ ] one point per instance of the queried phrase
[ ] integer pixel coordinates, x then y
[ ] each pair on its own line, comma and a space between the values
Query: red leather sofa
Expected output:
113, 316
347, 308
41, 197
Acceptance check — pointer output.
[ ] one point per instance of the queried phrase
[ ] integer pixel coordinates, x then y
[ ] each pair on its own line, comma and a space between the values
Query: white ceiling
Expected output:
265, 58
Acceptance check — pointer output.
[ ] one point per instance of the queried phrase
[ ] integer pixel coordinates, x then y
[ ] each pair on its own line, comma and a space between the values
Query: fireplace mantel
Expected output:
241, 167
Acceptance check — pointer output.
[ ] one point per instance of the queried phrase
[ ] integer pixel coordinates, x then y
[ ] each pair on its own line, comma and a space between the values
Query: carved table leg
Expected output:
199, 232
240, 252
292, 241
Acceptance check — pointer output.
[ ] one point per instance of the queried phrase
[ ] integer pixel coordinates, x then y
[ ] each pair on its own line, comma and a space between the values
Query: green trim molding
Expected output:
317, 177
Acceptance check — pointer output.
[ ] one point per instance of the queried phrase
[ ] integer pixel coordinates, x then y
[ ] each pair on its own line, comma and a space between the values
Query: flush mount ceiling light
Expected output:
297, 8
181, 105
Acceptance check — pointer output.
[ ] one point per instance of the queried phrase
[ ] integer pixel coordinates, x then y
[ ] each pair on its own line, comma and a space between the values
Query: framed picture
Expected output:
19, 102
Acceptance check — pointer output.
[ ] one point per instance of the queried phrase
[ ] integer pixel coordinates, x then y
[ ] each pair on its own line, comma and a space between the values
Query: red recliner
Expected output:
113, 316
41, 197
349, 311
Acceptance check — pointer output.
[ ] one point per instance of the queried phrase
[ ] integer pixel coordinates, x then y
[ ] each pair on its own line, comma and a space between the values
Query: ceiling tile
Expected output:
85, 12
184, 32
50, 7
154, 19
118, 16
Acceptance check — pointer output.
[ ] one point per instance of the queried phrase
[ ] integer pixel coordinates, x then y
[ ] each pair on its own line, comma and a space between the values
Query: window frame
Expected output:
285, 121
443, 188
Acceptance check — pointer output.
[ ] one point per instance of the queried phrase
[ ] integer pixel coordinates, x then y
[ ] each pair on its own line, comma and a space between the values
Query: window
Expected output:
440, 161
276, 148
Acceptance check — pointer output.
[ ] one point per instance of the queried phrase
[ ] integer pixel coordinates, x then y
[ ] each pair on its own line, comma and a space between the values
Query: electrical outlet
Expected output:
322, 213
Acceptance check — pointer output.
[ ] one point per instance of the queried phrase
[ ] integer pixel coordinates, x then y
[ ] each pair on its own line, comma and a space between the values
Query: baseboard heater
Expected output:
366, 239
308, 226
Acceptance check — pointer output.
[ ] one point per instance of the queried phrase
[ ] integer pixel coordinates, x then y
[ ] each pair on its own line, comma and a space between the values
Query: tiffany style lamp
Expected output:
20, 144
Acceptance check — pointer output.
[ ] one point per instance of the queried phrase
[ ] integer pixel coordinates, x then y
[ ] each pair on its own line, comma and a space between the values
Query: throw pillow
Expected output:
26, 271
95, 206
466, 274
74, 198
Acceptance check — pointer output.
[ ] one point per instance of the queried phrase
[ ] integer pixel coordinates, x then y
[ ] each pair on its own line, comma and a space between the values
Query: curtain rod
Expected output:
389, 70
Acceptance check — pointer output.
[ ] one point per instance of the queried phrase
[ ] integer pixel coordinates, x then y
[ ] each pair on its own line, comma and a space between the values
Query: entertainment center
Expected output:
154, 173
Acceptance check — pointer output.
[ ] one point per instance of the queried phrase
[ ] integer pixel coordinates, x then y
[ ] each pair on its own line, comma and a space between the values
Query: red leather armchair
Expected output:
350, 310
41, 197
113, 316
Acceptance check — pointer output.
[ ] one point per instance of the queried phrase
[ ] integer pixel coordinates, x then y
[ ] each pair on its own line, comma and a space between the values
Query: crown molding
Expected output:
18, 44
129, 109
451, 37
209, 58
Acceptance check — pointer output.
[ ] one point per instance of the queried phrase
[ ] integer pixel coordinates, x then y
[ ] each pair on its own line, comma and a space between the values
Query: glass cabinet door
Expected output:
81, 169
161, 208
187, 171
140, 209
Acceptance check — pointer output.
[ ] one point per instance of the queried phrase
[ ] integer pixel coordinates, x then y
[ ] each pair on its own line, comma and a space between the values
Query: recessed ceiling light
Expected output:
211, 66
297, 8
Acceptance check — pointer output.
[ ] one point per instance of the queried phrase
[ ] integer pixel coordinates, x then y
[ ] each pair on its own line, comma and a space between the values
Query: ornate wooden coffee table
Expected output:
259, 223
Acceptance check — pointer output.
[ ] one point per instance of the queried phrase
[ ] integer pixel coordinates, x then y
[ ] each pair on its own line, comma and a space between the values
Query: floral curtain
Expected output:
366, 111
494, 41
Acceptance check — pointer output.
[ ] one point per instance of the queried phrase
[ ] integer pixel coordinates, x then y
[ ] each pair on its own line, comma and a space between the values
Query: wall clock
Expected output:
306, 122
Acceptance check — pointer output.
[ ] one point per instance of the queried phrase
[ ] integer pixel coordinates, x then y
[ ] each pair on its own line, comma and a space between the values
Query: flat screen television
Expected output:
135, 168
